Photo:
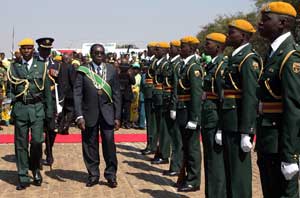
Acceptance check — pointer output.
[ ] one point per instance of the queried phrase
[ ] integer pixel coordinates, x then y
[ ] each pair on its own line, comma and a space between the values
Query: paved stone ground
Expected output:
136, 176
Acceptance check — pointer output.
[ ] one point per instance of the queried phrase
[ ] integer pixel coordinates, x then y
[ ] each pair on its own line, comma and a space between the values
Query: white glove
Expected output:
218, 137
246, 144
191, 125
289, 170
173, 114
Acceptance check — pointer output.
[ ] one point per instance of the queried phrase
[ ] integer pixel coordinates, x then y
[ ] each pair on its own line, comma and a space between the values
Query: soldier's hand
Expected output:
289, 170
246, 144
218, 137
191, 125
173, 114
117, 124
81, 124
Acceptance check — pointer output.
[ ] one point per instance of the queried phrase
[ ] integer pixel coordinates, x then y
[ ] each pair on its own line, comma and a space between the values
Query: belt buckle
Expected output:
260, 108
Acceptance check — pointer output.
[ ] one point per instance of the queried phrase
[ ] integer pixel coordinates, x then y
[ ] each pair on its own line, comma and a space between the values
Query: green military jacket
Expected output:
189, 91
30, 85
279, 85
158, 81
148, 87
212, 87
168, 81
240, 84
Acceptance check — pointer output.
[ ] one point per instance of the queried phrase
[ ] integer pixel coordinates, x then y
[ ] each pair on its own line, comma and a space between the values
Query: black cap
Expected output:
45, 42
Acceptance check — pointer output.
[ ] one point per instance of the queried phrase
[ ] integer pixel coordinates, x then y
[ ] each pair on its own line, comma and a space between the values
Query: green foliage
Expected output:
259, 3
220, 24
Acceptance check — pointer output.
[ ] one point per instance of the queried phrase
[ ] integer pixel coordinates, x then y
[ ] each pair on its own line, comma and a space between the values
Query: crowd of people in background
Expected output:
130, 67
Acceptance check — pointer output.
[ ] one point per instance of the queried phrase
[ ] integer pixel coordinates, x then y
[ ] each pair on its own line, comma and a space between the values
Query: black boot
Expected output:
35, 162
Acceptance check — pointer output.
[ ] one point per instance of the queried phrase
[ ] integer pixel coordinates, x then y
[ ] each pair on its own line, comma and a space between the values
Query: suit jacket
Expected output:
126, 81
89, 104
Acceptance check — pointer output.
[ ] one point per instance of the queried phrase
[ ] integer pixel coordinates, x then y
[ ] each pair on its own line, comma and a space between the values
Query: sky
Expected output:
72, 23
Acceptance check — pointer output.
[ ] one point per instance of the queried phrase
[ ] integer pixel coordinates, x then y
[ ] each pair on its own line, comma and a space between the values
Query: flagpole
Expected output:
13, 43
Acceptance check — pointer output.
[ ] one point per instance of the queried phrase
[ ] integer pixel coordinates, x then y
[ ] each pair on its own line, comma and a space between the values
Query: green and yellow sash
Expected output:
98, 82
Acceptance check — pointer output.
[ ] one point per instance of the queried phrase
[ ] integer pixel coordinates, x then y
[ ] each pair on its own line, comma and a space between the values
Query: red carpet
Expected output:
76, 138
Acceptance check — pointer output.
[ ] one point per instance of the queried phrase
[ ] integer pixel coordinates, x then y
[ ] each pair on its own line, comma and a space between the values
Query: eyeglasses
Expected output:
98, 52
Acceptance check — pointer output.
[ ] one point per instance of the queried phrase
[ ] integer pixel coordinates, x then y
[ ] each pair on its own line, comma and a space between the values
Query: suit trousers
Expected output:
273, 182
90, 149
151, 126
126, 112
238, 168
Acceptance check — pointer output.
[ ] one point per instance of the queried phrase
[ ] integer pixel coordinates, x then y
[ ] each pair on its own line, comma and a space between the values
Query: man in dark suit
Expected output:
66, 83
126, 81
97, 106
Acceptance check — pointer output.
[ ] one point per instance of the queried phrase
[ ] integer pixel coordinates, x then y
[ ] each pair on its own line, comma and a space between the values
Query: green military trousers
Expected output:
171, 129
28, 160
151, 126
214, 168
28, 118
238, 168
269, 163
163, 136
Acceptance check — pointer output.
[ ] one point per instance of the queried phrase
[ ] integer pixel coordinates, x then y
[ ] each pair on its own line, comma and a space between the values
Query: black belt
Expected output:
27, 101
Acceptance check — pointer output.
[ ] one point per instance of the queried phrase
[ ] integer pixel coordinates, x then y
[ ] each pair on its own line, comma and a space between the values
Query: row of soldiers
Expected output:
228, 99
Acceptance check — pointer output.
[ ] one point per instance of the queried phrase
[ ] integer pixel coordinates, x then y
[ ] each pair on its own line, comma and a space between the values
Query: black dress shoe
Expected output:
37, 178
160, 161
170, 173
22, 186
92, 182
188, 188
48, 161
147, 152
112, 183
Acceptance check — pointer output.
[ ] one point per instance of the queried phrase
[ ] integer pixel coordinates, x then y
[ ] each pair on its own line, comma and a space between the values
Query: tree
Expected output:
296, 4
220, 24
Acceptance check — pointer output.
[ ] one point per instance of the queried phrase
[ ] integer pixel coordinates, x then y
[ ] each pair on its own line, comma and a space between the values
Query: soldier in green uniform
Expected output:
278, 130
188, 113
239, 109
30, 92
44, 49
169, 115
215, 180
148, 93
163, 153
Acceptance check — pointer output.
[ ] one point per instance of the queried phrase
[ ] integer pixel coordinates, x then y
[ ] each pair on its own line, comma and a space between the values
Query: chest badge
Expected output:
255, 65
197, 73
296, 67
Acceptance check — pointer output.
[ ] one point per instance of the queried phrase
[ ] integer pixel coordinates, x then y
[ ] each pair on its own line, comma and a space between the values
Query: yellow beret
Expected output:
75, 62
280, 7
176, 43
218, 37
242, 25
26, 41
163, 45
190, 40
58, 58
152, 44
